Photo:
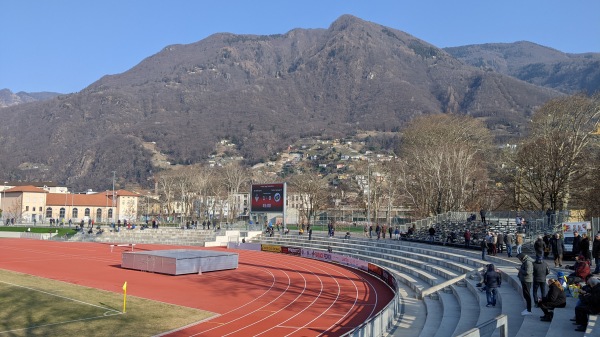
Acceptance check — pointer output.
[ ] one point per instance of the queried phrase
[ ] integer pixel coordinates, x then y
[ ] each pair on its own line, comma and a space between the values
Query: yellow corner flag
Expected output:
124, 296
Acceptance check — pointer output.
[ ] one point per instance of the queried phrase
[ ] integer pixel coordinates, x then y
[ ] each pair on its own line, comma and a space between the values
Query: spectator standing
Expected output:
596, 253
538, 247
576, 241
482, 214
500, 242
467, 236
390, 230
484, 247
378, 231
540, 271
557, 246
556, 298
547, 238
518, 220
519, 241
492, 281
431, 234
397, 233
526, 277
584, 247
509, 240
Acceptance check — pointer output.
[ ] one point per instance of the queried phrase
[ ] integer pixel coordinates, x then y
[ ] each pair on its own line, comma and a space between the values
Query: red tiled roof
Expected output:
62, 199
27, 188
97, 199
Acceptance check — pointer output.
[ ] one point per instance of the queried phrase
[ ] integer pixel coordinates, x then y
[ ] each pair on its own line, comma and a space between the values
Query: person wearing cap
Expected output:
526, 277
492, 281
589, 304
556, 298
596, 253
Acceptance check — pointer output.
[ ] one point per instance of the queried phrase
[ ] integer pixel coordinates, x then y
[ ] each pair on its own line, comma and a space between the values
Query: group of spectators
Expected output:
381, 230
533, 273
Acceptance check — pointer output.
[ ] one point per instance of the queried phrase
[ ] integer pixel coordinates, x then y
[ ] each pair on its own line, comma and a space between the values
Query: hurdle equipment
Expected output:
122, 245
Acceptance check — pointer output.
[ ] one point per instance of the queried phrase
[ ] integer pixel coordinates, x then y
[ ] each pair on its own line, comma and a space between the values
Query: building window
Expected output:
33, 209
98, 215
110, 214
26, 208
49, 212
87, 212
75, 213
62, 213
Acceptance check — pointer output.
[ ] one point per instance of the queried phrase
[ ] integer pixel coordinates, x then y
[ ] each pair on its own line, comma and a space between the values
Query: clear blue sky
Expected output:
65, 45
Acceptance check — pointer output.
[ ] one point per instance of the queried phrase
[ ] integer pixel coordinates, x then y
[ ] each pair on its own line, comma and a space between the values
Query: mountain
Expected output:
8, 98
569, 73
261, 93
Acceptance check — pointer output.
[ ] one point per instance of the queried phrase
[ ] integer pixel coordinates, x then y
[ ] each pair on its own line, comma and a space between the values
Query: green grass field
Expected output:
33, 306
61, 230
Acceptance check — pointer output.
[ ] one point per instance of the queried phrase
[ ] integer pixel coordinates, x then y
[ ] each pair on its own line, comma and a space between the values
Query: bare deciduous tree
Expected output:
443, 158
313, 192
554, 156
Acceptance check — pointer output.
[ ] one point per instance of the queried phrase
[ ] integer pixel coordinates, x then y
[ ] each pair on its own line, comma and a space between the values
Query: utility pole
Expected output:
369, 192
113, 194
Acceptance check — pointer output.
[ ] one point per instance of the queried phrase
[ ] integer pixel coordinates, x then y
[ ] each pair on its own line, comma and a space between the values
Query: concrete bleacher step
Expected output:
413, 313
451, 312
561, 325
433, 320
466, 301
470, 308
512, 305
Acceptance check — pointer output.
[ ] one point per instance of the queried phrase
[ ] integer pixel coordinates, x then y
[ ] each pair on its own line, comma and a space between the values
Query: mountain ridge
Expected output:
261, 93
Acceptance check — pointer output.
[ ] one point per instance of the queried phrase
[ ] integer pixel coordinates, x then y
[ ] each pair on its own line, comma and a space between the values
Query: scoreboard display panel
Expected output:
268, 198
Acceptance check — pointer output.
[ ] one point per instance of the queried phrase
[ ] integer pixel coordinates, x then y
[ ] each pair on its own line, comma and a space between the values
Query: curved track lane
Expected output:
267, 295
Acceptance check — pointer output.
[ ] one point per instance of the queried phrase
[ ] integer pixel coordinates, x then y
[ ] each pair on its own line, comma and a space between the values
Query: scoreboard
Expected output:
268, 198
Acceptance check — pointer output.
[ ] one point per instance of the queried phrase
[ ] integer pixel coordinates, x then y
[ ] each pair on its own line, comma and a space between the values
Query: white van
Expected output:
568, 228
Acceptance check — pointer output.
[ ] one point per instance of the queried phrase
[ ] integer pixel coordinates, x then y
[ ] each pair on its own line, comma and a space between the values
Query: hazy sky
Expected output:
65, 45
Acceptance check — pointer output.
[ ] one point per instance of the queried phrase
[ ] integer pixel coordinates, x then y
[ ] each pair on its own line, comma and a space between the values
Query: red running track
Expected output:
267, 295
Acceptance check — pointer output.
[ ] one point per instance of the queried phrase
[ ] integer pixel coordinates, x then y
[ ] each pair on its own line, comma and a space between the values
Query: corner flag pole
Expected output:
124, 296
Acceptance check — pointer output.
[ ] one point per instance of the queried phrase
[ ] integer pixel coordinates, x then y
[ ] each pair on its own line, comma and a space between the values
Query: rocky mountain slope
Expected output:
259, 92
8, 98
569, 73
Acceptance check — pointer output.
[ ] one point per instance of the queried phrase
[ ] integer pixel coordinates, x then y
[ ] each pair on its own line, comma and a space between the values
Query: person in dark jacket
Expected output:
484, 247
556, 298
540, 270
539, 247
526, 277
584, 247
596, 253
590, 304
576, 240
492, 281
557, 245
